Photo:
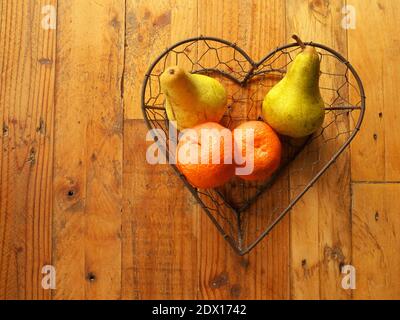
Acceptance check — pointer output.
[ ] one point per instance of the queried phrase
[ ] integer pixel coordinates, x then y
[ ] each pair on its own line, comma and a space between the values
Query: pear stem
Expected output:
298, 40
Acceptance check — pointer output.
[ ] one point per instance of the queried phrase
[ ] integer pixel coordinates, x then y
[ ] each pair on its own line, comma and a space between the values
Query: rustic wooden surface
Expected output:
77, 193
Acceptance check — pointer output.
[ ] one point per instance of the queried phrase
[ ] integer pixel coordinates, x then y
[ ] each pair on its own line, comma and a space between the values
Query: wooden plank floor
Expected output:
77, 193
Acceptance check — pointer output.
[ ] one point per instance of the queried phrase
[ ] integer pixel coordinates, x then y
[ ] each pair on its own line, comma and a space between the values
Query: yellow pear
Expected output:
192, 99
294, 106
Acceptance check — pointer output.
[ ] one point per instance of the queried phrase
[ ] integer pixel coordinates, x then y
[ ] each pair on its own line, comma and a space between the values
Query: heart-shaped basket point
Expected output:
236, 208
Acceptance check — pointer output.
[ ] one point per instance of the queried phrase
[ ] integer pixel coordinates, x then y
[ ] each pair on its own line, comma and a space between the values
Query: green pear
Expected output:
294, 106
192, 99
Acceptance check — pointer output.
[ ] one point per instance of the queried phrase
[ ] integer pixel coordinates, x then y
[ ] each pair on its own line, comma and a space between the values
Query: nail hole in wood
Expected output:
114, 22
71, 193
91, 276
5, 129
376, 216
375, 136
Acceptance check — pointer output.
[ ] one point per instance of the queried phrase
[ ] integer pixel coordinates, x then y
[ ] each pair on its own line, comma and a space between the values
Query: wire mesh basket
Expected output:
234, 208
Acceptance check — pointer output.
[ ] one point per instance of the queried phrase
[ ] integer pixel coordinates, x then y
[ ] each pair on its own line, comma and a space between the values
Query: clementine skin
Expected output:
267, 150
206, 162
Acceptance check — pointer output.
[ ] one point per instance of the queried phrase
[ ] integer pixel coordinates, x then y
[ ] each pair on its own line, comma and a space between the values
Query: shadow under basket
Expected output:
236, 209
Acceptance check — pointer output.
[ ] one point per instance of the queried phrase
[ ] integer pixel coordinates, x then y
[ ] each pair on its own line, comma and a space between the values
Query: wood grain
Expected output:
160, 216
88, 152
264, 273
27, 58
376, 239
371, 48
321, 222
159, 226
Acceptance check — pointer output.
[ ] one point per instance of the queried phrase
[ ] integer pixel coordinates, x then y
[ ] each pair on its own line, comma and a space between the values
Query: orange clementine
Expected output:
266, 153
204, 155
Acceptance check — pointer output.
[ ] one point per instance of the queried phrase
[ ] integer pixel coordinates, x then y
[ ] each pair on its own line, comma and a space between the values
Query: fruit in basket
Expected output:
294, 106
204, 155
264, 149
192, 99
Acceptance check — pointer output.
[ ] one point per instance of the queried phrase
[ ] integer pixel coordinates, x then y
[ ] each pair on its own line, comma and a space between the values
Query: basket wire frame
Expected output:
238, 216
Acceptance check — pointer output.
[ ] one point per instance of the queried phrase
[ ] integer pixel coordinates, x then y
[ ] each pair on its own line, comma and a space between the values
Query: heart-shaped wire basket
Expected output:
234, 208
